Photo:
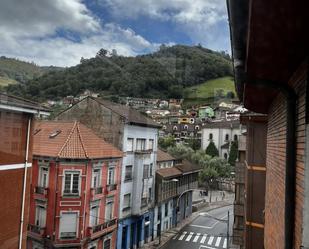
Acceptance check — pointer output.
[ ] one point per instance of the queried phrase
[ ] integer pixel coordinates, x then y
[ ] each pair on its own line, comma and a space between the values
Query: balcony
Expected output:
111, 187
101, 229
41, 191
96, 192
36, 231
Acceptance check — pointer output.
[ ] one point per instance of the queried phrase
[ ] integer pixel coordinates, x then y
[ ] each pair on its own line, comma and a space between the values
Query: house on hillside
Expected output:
136, 135
17, 117
221, 133
75, 188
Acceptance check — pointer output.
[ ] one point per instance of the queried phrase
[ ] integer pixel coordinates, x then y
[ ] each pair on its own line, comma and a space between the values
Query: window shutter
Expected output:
68, 225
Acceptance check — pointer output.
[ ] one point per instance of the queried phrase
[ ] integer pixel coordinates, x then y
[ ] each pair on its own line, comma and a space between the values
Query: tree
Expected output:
233, 153
195, 144
165, 142
230, 95
181, 151
212, 150
102, 52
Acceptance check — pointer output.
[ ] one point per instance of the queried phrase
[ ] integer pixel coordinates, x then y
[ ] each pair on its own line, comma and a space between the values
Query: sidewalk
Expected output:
166, 236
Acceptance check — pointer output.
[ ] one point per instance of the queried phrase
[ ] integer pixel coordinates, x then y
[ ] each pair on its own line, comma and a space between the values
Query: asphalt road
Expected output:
204, 232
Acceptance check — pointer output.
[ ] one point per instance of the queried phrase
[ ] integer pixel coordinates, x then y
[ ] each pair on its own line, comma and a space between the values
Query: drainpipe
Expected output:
24, 186
290, 170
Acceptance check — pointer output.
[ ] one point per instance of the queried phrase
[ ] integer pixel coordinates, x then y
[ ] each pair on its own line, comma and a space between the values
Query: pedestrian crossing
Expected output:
206, 239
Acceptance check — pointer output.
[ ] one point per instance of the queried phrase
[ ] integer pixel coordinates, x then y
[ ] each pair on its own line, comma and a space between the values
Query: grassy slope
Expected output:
4, 81
205, 93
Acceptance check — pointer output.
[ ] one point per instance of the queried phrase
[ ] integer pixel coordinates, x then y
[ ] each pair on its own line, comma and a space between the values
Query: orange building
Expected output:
75, 188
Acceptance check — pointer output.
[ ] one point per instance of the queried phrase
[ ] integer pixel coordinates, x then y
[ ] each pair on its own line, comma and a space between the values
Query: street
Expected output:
204, 232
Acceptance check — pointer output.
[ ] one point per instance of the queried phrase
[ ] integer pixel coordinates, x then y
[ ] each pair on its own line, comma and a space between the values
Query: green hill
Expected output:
162, 74
209, 91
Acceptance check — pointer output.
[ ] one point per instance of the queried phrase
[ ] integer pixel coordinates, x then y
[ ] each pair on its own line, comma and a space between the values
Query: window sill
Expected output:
128, 180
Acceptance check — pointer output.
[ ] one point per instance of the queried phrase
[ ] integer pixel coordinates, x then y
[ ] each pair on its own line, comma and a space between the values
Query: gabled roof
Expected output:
163, 156
169, 172
187, 167
131, 115
222, 124
70, 140
14, 103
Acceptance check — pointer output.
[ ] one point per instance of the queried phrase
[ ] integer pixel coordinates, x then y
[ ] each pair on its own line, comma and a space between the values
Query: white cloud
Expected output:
204, 21
28, 30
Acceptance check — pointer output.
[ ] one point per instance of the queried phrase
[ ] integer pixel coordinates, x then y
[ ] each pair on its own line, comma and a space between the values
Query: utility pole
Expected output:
228, 230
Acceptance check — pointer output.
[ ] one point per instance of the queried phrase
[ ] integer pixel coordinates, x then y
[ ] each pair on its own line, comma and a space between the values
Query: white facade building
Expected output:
138, 170
222, 134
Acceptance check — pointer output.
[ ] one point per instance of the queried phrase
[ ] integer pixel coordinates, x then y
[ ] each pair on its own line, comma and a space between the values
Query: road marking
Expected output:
189, 236
210, 240
218, 241
224, 243
203, 239
201, 226
196, 237
207, 247
182, 236
175, 236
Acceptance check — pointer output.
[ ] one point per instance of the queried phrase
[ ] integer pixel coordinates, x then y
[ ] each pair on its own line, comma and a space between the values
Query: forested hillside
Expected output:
162, 74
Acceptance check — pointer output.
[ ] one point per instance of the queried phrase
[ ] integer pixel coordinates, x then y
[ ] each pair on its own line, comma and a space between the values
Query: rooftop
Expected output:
163, 156
70, 140
14, 103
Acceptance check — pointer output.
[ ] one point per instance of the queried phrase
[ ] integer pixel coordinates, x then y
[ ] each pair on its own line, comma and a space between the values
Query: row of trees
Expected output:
163, 74
213, 167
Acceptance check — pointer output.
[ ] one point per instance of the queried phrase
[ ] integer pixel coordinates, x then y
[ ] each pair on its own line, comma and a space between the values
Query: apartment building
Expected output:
75, 188
270, 45
16, 129
221, 133
136, 135
175, 182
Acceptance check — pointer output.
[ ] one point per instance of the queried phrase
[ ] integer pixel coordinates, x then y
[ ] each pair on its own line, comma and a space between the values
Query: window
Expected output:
150, 169
71, 183
126, 201
130, 143
40, 216
175, 128
151, 143
185, 127
109, 209
227, 137
197, 127
225, 156
146, 171
111, 175
96, 177
43, 177
140, 144
235, 137
68, 225
150, 193
166, 209
94, 214
210, 136
107, 244
128, 173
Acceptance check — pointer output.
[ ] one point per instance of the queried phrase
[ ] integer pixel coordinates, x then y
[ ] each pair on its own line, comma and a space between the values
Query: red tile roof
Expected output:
70, 140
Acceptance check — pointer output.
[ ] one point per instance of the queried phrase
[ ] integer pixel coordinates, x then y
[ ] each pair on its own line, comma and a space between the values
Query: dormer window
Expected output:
55, 134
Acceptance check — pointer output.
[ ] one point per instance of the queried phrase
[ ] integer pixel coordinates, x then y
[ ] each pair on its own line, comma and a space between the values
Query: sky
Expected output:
60, 32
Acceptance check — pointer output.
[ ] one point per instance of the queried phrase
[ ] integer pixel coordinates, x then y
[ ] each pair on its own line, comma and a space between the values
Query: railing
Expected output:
105, 225
97, 190
111, 187
41, 190
143, 151
36, 229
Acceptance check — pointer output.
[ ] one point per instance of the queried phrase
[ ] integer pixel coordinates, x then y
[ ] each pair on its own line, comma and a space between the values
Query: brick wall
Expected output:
276, 151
